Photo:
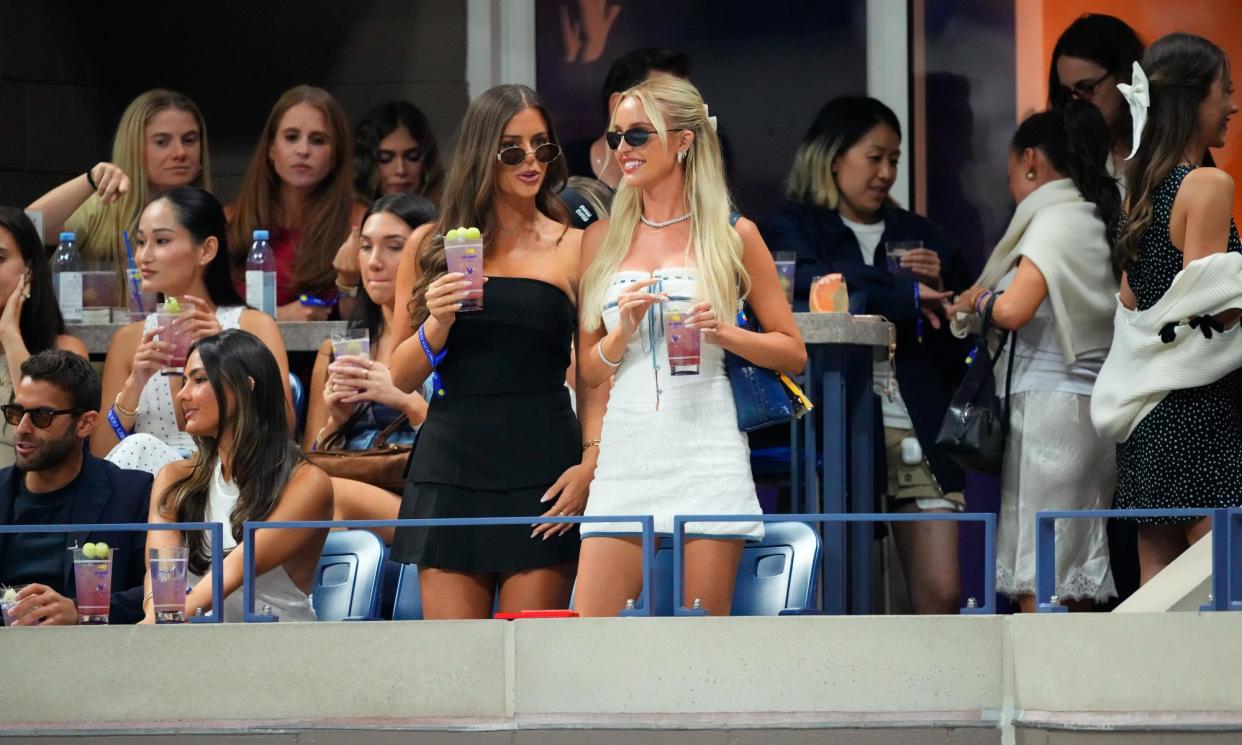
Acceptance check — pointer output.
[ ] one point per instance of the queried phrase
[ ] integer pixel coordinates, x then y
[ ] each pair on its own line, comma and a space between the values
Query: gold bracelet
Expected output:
589, 444
124, 411
346, 290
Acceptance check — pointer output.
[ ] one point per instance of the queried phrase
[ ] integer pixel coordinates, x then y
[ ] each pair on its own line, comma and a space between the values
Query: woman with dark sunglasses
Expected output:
30, 321
500, 437
1090, 58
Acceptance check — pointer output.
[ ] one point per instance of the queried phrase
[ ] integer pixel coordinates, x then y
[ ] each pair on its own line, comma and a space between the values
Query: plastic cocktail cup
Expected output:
683, 343
467, 258
894, 251
172, 334
829, 294
168, 582
355, 342
93, 579
6, 607
786, 267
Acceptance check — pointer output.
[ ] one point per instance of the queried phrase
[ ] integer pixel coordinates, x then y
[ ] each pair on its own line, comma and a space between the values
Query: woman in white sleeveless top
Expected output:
180, 247
247, 468
670, 445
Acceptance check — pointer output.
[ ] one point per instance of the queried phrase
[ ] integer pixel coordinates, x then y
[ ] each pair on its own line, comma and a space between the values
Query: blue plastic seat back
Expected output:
408, 605
298, 392
775, 574
347, 582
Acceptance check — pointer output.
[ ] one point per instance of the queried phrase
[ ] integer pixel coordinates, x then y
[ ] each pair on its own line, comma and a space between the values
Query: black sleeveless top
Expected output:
505, 420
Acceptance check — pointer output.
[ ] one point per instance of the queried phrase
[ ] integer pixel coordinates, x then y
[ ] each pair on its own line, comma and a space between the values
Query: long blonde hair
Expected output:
470, 188
717, 247
129, 148
325, 220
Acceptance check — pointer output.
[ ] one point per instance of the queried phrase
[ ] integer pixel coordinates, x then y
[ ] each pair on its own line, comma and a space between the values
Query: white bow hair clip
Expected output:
710, 119
1138, 95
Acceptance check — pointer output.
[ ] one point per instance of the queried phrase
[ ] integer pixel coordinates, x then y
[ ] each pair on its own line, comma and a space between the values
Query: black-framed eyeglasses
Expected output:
40, 416
1085, 89
635, 136
515, 155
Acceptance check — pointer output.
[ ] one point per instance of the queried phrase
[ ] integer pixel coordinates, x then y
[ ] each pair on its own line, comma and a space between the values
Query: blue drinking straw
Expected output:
133, 272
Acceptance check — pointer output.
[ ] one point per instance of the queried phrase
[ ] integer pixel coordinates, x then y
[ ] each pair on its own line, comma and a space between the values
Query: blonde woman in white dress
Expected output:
670, 445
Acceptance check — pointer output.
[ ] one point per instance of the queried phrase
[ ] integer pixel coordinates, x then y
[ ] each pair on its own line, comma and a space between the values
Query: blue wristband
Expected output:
435, 359
918, 313
117, 427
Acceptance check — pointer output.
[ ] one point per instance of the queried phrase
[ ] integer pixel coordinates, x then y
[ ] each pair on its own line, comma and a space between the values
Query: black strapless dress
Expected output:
500, 436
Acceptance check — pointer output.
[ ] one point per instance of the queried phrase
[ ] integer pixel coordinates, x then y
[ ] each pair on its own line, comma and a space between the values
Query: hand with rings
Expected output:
703, 317
364, 380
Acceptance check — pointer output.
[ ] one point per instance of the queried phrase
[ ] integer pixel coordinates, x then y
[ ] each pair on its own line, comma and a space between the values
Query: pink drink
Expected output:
174, 336
93, 580
7, 606
168, 582
683, 343
465, 256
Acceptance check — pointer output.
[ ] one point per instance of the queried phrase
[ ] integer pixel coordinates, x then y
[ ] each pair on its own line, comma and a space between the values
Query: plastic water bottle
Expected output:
67, 278
261, 275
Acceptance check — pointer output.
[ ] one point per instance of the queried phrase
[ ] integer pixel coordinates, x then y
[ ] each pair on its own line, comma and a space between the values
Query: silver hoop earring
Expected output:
681, 157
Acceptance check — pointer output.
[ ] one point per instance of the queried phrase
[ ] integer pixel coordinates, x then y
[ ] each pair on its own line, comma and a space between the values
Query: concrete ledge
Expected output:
1106, 662
254, 671
795, 664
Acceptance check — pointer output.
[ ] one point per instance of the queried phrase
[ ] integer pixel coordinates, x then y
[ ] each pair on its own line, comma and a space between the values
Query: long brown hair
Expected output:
471, 183
264, 456
1180, 71
325, 219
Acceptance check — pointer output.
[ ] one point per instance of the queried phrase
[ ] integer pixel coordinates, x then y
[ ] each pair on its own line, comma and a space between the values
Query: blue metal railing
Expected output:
217, 559
642, 608
989, 544
1046, 550
1231, 526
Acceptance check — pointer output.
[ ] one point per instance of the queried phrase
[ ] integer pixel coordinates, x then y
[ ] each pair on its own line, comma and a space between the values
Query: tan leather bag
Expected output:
383, 465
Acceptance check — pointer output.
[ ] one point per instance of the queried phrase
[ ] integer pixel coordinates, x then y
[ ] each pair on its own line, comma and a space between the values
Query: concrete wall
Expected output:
917, 679
68, 69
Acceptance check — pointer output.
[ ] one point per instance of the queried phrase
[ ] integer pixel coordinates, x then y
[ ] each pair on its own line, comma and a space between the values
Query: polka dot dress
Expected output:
1187, 453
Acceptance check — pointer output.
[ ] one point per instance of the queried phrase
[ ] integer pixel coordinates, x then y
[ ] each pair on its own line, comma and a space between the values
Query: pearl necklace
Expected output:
664, 224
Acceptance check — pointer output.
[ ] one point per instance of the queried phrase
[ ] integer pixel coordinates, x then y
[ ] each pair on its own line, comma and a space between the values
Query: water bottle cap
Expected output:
261, 235
67, 236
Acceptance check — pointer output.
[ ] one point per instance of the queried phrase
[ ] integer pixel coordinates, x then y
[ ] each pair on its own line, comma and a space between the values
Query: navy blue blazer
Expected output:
106, 494
928, 373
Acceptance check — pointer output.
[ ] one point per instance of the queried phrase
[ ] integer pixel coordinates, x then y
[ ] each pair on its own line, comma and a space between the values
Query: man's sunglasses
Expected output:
41, 417
636, 137
515, 155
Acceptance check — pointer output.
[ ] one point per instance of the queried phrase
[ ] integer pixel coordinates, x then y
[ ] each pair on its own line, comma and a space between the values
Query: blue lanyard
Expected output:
435, 359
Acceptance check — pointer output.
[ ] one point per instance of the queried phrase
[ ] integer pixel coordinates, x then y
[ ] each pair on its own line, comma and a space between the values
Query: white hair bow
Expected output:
1138, 95
710, 119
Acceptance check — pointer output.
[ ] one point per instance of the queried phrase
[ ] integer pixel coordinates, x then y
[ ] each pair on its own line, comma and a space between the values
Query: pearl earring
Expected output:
1030, 175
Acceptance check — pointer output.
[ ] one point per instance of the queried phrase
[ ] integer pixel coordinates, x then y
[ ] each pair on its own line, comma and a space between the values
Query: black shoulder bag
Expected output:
975, 426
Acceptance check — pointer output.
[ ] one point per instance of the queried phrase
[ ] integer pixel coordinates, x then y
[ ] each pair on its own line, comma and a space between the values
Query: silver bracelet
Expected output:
599, 347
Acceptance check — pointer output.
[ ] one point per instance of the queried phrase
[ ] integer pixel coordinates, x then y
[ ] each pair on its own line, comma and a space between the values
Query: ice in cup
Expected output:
463, 249
166, 313
829, 294
786, 266
894, 251
168, 582
92, 576
8, 602
355, 342
683, 343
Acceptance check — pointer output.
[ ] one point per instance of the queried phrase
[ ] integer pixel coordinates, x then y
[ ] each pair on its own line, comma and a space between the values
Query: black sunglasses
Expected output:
515, 155
636, 136
41, 417
1084, 90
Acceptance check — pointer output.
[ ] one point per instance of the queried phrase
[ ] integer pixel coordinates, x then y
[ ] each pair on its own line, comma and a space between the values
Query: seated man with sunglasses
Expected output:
56, 480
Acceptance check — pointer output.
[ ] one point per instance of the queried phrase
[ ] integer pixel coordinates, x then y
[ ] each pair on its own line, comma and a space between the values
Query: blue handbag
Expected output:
762, 397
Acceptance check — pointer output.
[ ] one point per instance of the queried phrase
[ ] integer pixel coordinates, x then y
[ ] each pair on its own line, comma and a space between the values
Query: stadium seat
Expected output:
408, 605
298, 392
347, 581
